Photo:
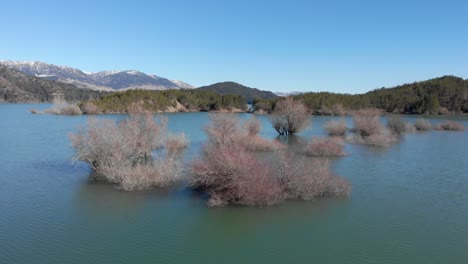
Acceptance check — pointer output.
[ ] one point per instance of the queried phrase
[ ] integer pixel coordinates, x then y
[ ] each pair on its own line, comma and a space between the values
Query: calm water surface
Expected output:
409, 204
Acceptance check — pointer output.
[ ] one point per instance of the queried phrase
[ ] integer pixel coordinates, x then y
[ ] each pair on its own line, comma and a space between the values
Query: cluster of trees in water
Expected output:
434, 96
229, 169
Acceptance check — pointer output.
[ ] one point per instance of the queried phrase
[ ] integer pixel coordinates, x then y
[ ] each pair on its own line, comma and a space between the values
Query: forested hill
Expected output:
429, 96
232, 88
184, 100
16, 87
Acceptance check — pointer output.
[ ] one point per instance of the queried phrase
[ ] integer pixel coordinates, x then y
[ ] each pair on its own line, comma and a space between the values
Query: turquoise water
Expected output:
409, 204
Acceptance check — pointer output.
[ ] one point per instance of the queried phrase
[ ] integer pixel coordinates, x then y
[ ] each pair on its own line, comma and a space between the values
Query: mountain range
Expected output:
18, 87
102, 81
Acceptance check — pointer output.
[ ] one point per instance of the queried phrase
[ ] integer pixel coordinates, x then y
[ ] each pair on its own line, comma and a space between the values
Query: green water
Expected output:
409, 204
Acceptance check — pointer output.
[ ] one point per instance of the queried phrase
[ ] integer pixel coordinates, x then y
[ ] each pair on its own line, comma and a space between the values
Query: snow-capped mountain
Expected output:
182, 85
104, 80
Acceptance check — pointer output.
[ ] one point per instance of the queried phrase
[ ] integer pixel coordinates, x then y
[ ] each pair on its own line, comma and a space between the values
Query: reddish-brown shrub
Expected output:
367, 122
253, 126
231, 173
381, 139
336, 128
325, 147
443, 111
122, 152
228, 129
449, 125
422, 124
225, 129
372, 132
70, 110
176, 142
309, 179
289, 116
91, 109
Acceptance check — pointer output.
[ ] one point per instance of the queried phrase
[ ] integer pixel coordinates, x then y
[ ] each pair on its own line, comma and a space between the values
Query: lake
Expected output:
408, 204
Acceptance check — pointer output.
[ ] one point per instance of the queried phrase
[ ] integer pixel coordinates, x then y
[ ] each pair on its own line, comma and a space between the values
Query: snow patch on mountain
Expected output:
110, 80
284, 94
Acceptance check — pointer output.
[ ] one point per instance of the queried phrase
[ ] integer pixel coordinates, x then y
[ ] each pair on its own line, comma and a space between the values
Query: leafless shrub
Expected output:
396, 125
289, 116
336, 128
309, 179
121, 152
325, 147
225, 129
367, 122
409, 128
443, 111
91, 109
383, 138
230, 172
129, 176
423, 124
232, 175
253, 126
64, 109
176, 142
449, 125
372, 132
228, 130
70, 110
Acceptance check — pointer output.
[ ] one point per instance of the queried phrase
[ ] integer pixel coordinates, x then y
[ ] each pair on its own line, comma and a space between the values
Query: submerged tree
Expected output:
230, 171
369, 129
121, 152
289, 116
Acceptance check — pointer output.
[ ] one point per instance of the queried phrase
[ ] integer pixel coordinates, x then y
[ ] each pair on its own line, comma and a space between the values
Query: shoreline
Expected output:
236, 110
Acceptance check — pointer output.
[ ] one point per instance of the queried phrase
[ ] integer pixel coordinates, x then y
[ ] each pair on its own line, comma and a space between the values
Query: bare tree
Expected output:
371, 131
307, 179
396, 125
121, 152
336, 128
230, 172
176, 142
367, 122
450, 125
422, 124
289, 116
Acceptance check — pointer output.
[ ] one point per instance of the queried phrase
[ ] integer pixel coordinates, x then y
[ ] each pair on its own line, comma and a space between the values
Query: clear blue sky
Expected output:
338, 46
